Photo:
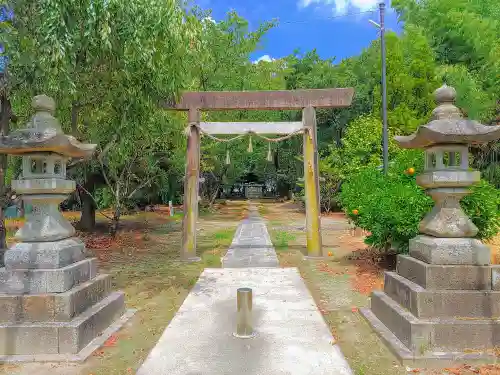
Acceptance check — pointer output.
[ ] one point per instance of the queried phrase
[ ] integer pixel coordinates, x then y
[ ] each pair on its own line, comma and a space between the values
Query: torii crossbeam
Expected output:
305, 100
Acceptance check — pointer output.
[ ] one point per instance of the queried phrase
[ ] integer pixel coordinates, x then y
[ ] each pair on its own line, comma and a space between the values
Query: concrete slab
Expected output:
251, 246
292, 337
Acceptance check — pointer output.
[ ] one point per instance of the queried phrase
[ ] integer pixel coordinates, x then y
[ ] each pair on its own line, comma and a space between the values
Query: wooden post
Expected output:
191, 182
311, 178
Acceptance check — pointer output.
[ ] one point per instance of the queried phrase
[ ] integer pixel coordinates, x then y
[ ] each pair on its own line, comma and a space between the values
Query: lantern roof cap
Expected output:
448, 126
43, 133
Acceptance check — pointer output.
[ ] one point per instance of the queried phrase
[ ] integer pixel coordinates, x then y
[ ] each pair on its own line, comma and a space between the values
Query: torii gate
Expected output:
305, 100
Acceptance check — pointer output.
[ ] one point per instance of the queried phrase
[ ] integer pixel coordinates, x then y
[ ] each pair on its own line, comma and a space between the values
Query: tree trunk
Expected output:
87, 218
214, 196
115, 222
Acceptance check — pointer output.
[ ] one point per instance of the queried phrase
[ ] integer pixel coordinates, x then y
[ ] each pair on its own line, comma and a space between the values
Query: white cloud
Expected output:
209, 19
342, 6
266, 58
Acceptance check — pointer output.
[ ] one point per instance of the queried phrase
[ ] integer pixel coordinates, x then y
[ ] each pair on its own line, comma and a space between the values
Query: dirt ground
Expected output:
143, 263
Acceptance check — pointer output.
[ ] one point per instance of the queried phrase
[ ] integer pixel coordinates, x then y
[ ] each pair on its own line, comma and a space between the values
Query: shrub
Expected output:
391, 207
483, 207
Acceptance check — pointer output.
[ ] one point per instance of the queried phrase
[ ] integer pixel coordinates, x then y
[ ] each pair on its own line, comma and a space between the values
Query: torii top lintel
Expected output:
262, 100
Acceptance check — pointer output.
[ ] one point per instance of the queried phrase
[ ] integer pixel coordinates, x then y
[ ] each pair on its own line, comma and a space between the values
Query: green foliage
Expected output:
282, 239
328, 186
108, 62
361, 147
391, 207
103, 197
483, 207
465, 36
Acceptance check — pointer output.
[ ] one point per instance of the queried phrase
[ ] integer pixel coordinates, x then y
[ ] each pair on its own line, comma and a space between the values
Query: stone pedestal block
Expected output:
425, 336
423, 303
61, 337
430, 315
52, 307
445, 277
37, 281
450, 251
44, 255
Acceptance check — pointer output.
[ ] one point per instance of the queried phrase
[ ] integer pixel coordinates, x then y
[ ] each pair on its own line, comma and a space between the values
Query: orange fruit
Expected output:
330, 254
355, 212
411, 171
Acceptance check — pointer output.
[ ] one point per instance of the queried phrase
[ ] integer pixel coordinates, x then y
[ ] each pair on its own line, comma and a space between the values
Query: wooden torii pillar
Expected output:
305, 100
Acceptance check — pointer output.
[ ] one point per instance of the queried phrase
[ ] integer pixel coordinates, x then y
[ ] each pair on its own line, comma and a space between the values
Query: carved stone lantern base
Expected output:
450, 251
434, 315
65, 309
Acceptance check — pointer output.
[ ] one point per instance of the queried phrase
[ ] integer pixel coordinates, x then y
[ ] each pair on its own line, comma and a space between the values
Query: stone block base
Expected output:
44, 255
40, 281
54, 307
427, 303
447, 277
61, 337
438, 314
435, 334
450, 251
429, 360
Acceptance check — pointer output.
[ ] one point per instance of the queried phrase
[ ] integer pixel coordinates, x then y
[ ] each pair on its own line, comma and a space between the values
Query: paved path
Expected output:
251, 246
292, 337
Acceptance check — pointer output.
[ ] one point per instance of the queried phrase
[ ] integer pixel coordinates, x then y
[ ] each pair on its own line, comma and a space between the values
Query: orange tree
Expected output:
391, 207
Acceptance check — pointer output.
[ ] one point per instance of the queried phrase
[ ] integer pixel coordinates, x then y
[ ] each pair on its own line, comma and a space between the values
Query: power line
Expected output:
326, 18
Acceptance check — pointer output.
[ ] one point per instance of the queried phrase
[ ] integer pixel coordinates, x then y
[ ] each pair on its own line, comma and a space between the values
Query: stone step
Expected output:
41, 281
54, 306
441, 303
91, 323
431, 335
456, 277
437, 360
61, 337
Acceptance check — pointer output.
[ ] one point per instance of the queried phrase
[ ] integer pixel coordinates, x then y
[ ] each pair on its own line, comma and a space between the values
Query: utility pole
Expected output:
384, 89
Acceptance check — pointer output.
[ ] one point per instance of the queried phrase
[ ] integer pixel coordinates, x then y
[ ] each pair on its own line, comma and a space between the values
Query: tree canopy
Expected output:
108, 63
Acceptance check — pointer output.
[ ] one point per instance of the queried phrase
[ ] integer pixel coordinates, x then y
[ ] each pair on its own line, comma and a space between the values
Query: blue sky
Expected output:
334, 27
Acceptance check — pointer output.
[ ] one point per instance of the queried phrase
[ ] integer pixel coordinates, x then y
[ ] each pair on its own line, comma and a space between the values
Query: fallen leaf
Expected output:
111, 341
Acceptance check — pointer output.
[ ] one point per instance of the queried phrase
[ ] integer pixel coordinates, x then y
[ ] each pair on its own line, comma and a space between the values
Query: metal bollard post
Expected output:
244, 328
170, 208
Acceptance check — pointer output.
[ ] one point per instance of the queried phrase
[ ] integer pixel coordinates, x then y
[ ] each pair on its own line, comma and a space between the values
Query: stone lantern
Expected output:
442, 304
52, 301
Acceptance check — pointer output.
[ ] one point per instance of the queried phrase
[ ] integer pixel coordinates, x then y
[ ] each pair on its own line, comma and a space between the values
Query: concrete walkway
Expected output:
251, 246
292, 337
